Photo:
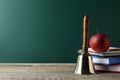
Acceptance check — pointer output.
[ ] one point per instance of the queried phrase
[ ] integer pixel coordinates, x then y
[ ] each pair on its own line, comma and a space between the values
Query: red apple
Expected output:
100, 42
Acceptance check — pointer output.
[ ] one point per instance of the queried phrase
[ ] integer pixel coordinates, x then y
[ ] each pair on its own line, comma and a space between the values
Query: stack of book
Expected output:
107, 61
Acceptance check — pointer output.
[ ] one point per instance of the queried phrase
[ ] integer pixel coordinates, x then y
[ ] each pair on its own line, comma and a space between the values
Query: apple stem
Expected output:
97, 31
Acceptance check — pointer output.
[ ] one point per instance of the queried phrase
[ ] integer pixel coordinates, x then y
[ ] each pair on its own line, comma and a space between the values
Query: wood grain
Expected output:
48, 71
85, 33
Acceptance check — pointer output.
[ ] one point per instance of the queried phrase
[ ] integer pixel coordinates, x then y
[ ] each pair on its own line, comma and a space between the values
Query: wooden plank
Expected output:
48, 71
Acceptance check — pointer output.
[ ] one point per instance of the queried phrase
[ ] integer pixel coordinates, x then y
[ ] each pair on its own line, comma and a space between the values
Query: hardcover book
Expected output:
113, 51
107, 68
106, 60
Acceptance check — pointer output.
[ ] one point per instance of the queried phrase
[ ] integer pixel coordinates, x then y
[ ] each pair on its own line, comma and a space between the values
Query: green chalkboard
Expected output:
39, 31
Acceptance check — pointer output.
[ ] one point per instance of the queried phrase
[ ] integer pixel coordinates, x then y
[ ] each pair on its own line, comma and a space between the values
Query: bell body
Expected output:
84, 65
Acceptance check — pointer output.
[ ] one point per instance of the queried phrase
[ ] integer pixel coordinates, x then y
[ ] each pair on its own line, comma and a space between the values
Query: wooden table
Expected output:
48, 71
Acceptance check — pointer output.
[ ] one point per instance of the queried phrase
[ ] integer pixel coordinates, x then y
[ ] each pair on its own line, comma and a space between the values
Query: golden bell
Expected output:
84, 65
84, 62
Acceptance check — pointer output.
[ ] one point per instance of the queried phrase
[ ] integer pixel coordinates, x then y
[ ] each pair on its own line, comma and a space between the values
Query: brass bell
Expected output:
84, 62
